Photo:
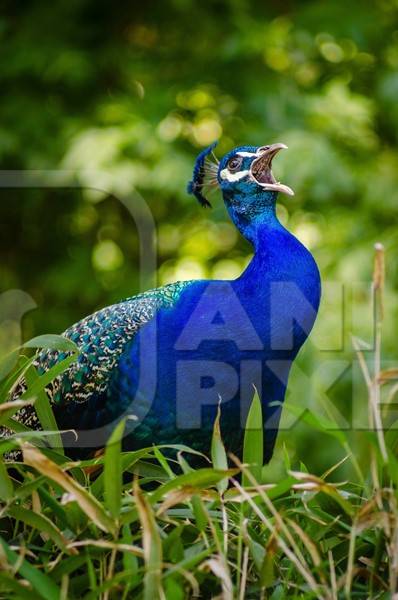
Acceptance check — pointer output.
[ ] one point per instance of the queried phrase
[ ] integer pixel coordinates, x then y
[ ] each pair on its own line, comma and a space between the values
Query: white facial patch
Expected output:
246, 154
225, 174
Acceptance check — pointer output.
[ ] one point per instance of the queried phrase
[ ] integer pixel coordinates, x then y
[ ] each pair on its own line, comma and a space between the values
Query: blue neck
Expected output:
254, 215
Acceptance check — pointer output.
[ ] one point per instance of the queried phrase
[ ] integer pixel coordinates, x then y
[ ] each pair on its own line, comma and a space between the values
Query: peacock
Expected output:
170, 358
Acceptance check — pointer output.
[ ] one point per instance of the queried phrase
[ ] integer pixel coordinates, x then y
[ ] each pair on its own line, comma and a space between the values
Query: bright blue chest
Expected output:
220, 339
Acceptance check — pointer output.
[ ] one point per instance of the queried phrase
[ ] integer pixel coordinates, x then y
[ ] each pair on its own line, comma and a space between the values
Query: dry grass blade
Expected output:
218, 567
303, 569
218, 454
350, 562
379, 276
175, 497
88, 504
387, 375
7, 409
333, 579
152, 545
374, 396
308, 543
136, 550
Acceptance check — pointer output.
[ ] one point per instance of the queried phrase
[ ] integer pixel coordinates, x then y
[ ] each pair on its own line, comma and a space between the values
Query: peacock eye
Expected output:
235, 163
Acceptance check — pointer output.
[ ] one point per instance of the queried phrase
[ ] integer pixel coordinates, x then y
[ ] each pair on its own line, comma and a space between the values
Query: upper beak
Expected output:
260, 169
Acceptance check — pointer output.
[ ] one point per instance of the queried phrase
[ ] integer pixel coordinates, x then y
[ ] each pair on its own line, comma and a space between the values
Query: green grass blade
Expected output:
52, 342
113, 470
6, 485
42, 381
42, 584
43, 408
39, 522
218, 454
128, 460
152, 545
7, 409
8, 582
9, 382
253, 440
196, 479
88, 504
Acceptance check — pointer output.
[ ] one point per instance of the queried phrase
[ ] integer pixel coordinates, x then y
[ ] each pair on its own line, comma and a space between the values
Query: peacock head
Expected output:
247, 171
244, 176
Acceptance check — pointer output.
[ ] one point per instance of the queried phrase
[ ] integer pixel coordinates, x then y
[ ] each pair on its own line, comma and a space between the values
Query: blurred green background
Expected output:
135, 91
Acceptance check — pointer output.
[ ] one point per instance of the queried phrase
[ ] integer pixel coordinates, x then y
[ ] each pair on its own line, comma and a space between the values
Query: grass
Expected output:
144, 525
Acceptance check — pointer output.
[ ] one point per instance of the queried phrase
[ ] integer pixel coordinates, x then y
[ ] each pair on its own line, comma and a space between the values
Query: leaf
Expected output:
253, 440
307, 541
108, 545
52, 342
88, 504
7, 364
43, 409
387, 375
196, 479
176, 497
42, 584
129, 560
257, 552
49, 341
286, 458
315, 484
7, 409
43, 380
221, 571
218, 454
128, 460
317, 422
163, 462
152, 547
67, 566
189, 562
113, 471
16, 426
10, 382
9, 582
199, 513
267, 571
6, 485
41, 523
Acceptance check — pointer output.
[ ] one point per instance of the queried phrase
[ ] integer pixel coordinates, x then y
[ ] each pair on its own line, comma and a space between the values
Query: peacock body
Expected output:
168, 357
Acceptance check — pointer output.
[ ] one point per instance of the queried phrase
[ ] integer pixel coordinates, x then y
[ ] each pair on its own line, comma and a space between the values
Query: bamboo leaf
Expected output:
43, 380
317, 422
254, 440
43, 409
52, 342
6, 485
218, 454
196, 479
113, 471
41, 523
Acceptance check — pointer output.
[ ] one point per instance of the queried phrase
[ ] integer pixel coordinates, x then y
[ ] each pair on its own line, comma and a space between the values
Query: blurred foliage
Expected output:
124, 97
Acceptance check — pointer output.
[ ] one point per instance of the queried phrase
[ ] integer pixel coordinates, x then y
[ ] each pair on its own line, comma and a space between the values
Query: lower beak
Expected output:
260, 169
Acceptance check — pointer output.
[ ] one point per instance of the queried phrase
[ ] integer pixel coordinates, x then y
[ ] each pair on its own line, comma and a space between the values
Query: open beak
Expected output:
260, 169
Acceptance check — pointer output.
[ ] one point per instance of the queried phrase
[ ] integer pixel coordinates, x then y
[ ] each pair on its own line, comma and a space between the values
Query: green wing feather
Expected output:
101, 339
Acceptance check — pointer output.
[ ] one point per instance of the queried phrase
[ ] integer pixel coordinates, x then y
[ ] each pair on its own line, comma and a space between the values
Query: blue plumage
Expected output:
168, 357
200, 171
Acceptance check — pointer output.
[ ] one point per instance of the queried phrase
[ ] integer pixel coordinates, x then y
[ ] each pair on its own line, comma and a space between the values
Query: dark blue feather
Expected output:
197, 182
